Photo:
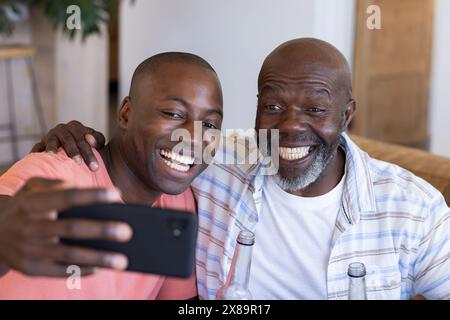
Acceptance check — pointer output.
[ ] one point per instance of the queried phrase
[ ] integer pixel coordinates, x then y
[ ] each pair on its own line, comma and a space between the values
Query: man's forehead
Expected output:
305, 52
182, 88
308, 77
173, 76
308, 89
301, 68
308, 65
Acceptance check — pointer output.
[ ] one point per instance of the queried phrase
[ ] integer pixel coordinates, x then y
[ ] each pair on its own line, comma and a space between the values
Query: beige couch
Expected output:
432, 168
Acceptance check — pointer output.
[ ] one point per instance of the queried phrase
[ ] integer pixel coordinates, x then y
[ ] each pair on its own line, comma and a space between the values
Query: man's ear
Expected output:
124, 112
349, 111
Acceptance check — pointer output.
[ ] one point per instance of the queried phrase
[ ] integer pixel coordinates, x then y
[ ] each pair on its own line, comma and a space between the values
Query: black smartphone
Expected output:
163, 240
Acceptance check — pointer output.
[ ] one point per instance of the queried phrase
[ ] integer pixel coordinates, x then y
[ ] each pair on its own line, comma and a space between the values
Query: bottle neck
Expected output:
357, 288
241, 271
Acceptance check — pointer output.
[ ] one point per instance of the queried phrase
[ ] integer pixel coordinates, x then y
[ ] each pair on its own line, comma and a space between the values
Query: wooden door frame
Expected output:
360, 70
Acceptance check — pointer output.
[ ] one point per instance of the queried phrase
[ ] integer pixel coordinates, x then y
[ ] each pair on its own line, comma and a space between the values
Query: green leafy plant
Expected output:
94, 13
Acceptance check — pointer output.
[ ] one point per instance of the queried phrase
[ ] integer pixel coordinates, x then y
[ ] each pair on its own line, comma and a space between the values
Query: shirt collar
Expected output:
358, 194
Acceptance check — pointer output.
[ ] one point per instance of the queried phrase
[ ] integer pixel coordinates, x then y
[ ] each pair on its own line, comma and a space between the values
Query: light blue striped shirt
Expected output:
394, 222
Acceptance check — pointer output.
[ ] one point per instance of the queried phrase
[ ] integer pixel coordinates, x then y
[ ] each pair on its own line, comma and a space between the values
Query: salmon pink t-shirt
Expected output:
106, 283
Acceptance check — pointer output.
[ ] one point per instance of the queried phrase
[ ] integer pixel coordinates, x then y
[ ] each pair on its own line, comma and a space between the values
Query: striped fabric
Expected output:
394, 222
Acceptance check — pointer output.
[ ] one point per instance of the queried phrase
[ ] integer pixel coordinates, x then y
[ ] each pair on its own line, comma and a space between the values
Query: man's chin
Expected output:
294, 181
173, 188
292, 184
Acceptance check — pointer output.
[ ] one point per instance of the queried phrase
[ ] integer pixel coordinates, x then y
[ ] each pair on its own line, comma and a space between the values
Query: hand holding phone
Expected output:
29, 230
163, 240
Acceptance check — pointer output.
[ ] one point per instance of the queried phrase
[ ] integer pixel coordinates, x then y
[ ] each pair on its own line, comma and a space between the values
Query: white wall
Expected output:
233, 35
439, 120
81, 89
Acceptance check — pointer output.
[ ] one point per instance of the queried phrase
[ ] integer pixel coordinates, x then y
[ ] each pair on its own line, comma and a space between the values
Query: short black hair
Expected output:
151, 64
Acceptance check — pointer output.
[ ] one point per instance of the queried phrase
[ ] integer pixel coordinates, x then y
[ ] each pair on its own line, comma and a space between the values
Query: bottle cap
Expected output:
246, 238
356, 269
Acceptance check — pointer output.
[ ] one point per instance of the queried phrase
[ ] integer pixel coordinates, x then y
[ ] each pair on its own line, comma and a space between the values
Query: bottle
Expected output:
236, 286
357, 281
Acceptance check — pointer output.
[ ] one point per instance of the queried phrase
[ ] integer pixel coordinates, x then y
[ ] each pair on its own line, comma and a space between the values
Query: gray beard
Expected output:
311, 174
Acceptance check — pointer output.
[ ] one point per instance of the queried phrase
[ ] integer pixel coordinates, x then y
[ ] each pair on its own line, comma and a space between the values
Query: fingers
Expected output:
47, 268
41, 198
41, 184
72, 255
41, 203
85, 141
98, 139
38, 147
45, 202
83, 229
77, 229
92, 258
52, 144
76, 140
87, 153
91, 140
69, 144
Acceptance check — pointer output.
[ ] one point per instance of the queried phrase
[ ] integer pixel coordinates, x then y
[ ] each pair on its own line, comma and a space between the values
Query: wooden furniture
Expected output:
391, 72
8, 54
432, 168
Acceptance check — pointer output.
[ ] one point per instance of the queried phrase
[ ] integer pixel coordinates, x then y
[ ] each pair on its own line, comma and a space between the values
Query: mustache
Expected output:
300, 137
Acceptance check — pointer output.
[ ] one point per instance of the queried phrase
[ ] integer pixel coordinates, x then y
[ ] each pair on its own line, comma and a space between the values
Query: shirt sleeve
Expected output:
432, 265
39, 165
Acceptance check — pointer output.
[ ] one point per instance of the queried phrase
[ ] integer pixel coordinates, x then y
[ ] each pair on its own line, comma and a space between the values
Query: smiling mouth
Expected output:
176, 161
296, 153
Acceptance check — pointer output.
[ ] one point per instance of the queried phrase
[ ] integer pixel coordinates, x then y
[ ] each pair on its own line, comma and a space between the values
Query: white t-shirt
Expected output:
293, 244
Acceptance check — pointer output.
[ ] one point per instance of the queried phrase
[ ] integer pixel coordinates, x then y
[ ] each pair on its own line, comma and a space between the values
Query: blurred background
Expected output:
48, 74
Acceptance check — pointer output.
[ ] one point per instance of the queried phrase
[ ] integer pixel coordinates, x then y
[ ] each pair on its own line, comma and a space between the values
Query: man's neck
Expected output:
329, 178
132, 188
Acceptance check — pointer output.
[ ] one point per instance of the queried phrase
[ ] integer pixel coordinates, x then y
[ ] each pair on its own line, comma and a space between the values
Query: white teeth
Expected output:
177, 157
176, 166
293, 153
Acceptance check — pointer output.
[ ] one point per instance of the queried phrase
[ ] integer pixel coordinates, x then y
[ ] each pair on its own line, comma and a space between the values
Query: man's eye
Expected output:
172, 115
272, 107
315, 109
209, 125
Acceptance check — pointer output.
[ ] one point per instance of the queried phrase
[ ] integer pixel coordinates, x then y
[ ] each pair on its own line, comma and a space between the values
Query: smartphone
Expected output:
163, 240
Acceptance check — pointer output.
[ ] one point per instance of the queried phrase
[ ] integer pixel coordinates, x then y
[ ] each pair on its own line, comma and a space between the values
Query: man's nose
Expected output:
195, 134
293, 120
